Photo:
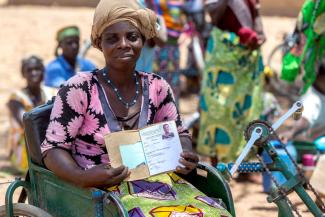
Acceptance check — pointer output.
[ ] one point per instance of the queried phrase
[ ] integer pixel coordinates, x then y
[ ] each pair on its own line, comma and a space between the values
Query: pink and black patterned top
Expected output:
78, 124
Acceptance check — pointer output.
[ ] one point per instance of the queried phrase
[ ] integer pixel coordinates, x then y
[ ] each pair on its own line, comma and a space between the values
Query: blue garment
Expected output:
59, 70
145, 61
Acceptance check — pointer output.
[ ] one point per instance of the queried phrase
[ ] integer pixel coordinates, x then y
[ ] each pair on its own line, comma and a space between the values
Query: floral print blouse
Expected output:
78, 124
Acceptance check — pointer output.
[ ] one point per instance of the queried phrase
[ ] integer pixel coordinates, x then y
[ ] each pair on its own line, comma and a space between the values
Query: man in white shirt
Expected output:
313, 116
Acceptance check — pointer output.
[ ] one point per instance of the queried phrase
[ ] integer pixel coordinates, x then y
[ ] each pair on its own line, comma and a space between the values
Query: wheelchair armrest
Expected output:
216, 186
111, 197
61, 198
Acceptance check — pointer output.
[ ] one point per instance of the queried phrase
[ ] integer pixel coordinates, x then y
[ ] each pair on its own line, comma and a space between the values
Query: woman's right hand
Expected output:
104, 176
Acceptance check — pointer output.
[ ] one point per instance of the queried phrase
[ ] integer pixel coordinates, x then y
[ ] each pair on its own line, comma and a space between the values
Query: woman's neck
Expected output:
34, 90
121, 77
35, 94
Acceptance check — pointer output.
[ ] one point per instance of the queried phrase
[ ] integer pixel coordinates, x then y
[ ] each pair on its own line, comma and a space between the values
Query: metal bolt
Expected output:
298, 104
272, 153
269, 199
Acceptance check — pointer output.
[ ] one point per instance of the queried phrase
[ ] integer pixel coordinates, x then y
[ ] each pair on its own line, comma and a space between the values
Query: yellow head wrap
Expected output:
109, 12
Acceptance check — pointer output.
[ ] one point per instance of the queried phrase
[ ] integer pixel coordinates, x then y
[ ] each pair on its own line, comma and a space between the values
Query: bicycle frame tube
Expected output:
294, 183
284, 209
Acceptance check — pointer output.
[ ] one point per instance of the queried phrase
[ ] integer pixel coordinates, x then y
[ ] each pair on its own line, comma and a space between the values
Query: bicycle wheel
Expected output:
280, 87
23, 209
274, 60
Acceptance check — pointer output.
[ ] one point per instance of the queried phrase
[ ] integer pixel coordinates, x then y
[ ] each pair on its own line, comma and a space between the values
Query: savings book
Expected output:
146, 152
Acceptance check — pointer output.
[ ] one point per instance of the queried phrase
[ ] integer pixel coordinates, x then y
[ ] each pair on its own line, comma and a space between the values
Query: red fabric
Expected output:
247, 36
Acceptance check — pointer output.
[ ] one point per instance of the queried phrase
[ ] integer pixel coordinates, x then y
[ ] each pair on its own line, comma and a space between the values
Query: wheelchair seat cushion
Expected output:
35, 124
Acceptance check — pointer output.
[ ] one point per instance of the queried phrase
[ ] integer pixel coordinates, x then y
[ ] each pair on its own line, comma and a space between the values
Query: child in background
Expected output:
21, 101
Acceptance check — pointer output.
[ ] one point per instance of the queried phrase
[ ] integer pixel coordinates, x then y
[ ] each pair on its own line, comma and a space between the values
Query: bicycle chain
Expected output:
301, 174
299, 171
282, 192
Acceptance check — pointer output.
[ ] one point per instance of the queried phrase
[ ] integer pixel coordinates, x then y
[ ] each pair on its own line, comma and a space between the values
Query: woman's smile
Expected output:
125, 55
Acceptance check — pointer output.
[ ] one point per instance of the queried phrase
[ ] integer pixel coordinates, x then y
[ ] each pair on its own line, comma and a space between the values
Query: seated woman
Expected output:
117, 98
21, 101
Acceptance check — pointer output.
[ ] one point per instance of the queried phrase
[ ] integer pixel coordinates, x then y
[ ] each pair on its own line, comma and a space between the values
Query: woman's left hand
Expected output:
190, 161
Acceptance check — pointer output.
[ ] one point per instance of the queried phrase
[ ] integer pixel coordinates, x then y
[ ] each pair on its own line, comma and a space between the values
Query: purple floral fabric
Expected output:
78, 125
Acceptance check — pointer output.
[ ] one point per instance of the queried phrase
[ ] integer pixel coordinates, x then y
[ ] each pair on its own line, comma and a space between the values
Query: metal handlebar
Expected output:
248, 167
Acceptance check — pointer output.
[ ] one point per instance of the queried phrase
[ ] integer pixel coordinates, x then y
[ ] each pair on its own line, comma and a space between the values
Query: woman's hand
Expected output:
104, 176
190, 161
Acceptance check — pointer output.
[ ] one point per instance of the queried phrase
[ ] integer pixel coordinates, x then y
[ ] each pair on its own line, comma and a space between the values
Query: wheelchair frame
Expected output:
59, 198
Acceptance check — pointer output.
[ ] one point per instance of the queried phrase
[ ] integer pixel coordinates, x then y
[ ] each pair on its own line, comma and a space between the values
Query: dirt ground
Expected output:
26, 30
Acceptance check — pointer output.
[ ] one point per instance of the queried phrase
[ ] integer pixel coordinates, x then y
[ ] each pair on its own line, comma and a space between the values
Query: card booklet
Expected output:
146, 152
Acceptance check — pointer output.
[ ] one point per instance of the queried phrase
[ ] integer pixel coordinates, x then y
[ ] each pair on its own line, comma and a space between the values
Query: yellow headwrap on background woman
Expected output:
109, 12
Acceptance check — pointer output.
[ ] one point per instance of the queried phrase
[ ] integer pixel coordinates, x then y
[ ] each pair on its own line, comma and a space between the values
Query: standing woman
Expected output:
21, 101
116, 98
66, 63
167, 58
232, 79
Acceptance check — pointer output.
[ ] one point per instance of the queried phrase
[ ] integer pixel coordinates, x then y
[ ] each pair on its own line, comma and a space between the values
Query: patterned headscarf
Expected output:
109, 12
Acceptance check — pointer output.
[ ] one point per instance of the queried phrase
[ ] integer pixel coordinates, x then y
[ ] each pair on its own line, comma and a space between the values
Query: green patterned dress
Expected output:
230, 95
166, 195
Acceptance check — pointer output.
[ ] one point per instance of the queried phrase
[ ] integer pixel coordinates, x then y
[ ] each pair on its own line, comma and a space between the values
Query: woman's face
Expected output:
33, 73
121, 44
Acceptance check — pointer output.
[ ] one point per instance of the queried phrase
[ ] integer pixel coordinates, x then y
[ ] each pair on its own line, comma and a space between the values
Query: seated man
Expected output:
66, 64
312, 123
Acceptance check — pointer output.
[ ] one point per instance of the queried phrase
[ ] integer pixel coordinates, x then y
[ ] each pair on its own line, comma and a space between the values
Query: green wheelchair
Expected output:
48, 195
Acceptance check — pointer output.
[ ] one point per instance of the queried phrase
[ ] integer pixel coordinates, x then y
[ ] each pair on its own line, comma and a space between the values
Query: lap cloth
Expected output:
166, 195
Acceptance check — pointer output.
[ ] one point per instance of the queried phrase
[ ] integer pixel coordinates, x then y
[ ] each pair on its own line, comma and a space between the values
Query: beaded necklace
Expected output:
117, 92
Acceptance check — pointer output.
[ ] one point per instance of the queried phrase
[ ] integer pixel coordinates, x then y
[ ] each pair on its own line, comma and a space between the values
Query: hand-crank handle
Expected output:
295, 110
256, 134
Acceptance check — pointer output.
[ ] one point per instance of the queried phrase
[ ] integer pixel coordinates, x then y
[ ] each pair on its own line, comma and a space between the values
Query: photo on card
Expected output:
167, 131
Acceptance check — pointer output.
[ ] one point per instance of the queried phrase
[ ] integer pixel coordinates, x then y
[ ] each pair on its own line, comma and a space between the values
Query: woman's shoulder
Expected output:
80, 79
19, 95
154, 79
